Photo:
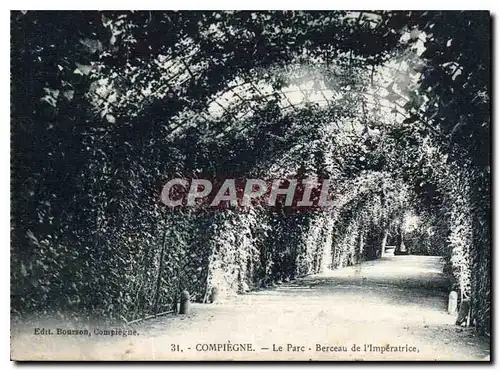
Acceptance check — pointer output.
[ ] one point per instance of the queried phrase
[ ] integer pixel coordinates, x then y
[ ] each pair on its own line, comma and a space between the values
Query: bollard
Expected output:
214, 295
185, 303
452, 302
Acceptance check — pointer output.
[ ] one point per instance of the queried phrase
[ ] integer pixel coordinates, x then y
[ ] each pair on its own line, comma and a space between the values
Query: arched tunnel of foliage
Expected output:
392, 105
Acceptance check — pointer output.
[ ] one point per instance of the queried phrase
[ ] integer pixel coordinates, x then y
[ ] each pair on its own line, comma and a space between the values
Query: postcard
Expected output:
250, 185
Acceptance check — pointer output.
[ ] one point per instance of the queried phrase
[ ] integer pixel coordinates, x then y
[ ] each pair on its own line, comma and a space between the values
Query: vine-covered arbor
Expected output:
366, 98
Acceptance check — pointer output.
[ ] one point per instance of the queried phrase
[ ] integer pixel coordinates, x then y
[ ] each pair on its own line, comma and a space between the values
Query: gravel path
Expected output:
389, 309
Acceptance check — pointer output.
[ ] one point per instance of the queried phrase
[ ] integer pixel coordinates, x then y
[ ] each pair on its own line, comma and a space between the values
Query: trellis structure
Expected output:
243, 96
176, 75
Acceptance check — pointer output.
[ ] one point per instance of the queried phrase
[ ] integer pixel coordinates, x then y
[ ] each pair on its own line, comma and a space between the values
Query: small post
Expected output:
185, 303
384, 241
214, 295
452, 302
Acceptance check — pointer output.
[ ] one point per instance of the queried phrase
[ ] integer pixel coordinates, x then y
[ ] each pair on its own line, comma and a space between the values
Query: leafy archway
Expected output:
367, 98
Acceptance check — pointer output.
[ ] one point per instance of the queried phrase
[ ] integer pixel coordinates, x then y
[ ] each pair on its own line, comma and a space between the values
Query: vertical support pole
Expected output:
402, 246
361, 246
160, 272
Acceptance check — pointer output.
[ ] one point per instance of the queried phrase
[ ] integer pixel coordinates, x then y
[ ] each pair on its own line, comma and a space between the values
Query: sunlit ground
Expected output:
396, 301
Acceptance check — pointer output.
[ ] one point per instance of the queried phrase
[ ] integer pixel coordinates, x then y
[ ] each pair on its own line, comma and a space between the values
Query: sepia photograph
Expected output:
238, 185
